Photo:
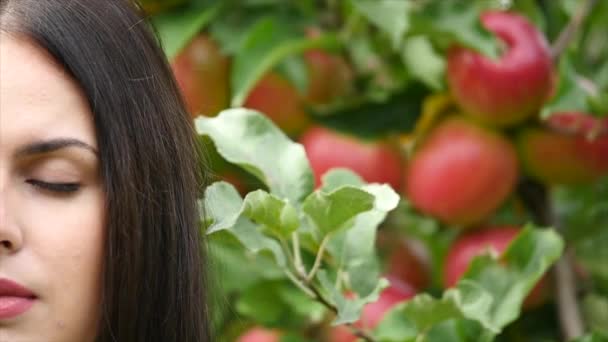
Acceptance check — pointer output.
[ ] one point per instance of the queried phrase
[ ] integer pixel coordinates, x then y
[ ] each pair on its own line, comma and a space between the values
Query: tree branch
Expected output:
568, 33
538, 201
354, 329
570, 318
318, 259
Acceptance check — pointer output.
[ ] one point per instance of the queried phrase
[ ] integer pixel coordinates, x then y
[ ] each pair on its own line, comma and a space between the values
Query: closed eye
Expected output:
60, 188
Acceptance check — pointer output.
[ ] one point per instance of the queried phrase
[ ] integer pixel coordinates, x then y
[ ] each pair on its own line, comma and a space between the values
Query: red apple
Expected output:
202, 72
330, 77
461, 172
508, 90
560, 158
468, 246
276, 97
259, 334
403, 259
374, 161
373, 313
578, 123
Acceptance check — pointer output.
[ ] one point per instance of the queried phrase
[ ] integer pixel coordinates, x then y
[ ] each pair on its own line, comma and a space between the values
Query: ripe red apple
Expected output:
202, 72
578, 123
330, 77
402, 259
276, 97
508, 90
259, 334
559, 158
468, 246
373, 313
461, 172
374, 161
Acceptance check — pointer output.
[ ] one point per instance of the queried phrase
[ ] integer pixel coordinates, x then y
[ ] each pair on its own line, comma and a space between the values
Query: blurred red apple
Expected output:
508, 90
402, 259
276, 97
202, 72
330, 77
578, 123
374, 161
461, 172
470, 245
373, 313
259, 334
561, 158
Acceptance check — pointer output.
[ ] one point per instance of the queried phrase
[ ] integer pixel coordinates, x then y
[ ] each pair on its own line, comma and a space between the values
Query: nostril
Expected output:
7, 244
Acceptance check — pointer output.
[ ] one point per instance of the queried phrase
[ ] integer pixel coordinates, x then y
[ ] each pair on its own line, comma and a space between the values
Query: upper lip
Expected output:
9, 288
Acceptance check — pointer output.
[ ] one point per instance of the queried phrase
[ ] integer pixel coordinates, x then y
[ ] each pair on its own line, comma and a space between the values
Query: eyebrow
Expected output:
52, 145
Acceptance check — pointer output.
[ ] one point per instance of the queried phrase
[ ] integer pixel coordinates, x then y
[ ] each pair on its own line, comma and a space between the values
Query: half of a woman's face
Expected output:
51, 201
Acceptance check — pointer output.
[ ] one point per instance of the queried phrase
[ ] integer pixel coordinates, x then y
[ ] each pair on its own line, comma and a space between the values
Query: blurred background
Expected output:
483, 115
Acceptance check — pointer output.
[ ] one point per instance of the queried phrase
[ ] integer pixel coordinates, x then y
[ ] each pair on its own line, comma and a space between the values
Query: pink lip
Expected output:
14, 299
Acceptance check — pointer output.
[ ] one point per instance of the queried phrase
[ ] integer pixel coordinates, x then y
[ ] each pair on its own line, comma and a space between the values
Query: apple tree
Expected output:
399, 170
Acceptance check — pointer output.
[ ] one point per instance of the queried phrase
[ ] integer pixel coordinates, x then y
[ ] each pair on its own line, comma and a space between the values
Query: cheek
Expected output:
65, 238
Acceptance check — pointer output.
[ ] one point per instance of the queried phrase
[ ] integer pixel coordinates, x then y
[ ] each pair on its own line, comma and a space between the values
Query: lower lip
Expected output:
14, 306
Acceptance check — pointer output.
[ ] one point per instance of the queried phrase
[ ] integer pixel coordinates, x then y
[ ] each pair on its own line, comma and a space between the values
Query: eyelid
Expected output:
56, 187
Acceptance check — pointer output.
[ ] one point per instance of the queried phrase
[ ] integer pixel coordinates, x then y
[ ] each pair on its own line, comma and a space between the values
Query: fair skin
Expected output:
51, 242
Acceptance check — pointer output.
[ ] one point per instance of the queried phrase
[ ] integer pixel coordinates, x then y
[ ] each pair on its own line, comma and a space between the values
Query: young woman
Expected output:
99, 229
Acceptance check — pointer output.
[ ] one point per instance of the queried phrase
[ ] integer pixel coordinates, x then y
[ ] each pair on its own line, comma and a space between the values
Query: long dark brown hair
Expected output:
154, 276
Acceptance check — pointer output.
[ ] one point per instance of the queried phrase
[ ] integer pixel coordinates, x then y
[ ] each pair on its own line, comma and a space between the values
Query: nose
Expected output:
11, 238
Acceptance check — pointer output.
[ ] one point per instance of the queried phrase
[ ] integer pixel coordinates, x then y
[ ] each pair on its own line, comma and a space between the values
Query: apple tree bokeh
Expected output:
399, 170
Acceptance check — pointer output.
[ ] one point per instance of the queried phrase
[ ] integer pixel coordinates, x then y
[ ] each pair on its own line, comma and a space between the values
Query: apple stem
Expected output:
569, 31
318, 259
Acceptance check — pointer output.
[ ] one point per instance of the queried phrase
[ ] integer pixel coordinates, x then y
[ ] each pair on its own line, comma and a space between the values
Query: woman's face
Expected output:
51, 201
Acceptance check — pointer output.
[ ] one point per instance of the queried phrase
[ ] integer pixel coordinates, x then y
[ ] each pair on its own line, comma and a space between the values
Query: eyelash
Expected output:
61, 188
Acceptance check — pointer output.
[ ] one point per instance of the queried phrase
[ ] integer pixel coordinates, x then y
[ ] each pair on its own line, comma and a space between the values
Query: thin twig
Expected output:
538, 201
300, 284
354, 329
318, 259
569, 32
298, 264
570, 318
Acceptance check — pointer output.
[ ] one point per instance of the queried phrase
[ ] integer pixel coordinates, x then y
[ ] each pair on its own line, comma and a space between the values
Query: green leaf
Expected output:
581, 209
354, 248
570, 96
532, 10
397, 114
593, 337
222, 206
236, 269
176, 28
224, 212
279, 303
267, 44
332, 211
270, 211
595, 308
349, 310
339, 177
250, 140
449, 22
423, 62
489, 295
390, 16
260, 303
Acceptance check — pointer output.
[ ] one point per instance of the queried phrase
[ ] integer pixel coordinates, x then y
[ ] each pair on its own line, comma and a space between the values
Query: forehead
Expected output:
38, 99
